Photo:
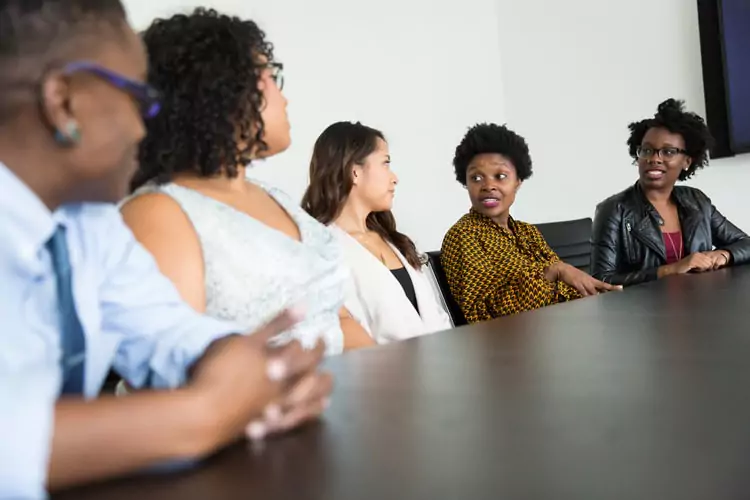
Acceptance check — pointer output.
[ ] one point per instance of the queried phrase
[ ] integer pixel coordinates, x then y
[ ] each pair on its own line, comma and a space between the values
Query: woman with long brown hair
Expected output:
351, 190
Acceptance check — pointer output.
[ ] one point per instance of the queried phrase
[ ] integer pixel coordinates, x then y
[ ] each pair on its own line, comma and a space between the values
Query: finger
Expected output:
311, 388
291, 360
279, 324
300, 415
607, 287
590, 287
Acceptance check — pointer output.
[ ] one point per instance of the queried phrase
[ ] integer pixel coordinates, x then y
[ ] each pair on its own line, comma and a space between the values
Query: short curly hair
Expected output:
492, 138
207, 66
36, 36
671, 115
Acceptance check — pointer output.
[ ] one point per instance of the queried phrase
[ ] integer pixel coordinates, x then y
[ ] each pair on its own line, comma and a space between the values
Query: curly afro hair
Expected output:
671, 115
207, 66
492, 138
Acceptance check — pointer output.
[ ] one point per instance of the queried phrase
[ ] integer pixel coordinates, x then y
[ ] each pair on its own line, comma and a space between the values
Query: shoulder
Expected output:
525, 227
687, 193
616, 202
460, 232
158, 221
153, 209
528, 231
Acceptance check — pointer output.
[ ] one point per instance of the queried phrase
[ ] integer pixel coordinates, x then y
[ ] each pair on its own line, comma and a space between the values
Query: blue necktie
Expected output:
73, 340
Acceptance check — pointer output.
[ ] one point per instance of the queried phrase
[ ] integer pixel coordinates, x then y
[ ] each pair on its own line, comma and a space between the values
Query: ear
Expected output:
518, 185
356, 173
56, 109
688, 162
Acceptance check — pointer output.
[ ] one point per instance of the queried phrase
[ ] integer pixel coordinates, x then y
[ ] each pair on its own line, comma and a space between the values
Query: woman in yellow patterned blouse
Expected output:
497, 265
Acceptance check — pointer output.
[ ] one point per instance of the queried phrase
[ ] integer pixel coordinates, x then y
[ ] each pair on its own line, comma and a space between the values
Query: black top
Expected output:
402, 275
627, 246
634, 394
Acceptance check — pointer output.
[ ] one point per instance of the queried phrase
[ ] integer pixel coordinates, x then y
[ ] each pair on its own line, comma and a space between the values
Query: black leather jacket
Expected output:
626, 242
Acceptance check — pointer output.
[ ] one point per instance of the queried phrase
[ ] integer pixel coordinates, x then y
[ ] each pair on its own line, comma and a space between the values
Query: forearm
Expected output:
112, 436
355, 337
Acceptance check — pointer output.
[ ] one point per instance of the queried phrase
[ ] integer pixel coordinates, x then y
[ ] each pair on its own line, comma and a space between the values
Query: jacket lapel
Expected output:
646, 229
648, 233
690, 220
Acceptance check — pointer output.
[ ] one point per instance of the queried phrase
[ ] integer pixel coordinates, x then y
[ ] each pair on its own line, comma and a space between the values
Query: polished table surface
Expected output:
637, 394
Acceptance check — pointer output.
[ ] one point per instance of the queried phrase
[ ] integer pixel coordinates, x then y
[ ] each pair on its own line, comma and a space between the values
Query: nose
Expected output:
394, 179
654, 158
488, 185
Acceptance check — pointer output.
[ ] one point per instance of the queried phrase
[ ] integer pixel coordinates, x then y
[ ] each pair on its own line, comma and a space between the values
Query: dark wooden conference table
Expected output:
638, 394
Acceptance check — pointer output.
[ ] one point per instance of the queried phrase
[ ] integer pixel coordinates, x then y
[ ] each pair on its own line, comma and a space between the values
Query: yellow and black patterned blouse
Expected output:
493, 271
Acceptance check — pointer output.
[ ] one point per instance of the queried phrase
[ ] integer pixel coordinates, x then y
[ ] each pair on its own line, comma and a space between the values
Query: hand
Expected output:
695, 262
584, 283
303, 400
239, 376
719, 258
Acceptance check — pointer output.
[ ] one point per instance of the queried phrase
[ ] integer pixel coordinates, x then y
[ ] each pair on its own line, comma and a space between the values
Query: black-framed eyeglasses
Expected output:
662, 153
144, 94
277, 73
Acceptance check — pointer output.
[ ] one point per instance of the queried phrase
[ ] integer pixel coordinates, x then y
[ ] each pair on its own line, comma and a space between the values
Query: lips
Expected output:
654, 173
489, 202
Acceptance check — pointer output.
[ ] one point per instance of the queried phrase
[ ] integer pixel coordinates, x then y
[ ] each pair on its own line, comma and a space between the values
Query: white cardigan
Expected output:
389, 314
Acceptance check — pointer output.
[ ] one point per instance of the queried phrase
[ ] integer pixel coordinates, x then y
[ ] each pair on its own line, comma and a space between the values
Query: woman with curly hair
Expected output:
235, 248
496, 265
654, 228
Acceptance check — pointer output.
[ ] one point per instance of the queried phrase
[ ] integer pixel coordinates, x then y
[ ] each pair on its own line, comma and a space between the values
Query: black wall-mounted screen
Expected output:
725, 55
735, 34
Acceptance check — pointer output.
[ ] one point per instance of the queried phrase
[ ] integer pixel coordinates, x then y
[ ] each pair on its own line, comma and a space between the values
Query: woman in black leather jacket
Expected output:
654, 228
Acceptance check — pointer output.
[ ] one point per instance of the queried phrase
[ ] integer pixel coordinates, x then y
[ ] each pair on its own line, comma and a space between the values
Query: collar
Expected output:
486, 220
25, 220
679, 196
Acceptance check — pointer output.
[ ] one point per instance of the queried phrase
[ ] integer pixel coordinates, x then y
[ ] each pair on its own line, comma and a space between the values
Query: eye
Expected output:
669, 152
475, 178
501, 177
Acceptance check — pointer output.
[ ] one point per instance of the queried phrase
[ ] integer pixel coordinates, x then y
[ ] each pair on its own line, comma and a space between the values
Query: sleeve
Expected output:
727, 236
488, 288
162, 335
606, 258
27, 404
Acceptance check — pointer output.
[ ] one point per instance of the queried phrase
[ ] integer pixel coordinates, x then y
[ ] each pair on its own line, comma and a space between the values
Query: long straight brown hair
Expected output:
340, 147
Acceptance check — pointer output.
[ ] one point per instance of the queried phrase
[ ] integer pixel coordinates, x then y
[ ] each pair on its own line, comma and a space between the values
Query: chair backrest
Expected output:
453, 308
571, 241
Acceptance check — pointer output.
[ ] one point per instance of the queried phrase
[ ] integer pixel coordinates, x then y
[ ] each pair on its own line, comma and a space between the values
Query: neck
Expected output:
220, 181
658, 196
30, 162
353, 217
502, 220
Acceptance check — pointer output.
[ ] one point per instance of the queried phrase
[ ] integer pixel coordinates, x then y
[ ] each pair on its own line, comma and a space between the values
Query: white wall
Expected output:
576, 73
421, 71
569, 76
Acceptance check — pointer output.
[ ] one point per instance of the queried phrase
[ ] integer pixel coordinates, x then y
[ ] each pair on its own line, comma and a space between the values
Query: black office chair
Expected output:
571, 241
453, 308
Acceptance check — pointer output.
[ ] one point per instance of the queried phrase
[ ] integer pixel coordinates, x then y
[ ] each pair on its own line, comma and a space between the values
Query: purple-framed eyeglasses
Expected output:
144, 94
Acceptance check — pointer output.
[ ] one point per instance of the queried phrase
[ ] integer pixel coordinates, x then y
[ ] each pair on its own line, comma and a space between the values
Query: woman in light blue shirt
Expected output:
78, 294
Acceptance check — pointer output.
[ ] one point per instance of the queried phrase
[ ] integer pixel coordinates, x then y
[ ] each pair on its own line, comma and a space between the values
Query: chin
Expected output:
489, 212
276, 146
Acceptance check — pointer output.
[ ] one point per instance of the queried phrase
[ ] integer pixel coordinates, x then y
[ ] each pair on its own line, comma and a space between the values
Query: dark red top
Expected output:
674, 246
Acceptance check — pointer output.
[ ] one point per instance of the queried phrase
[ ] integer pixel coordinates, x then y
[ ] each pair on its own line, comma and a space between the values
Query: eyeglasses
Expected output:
277, 74
144, 94
661, 153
